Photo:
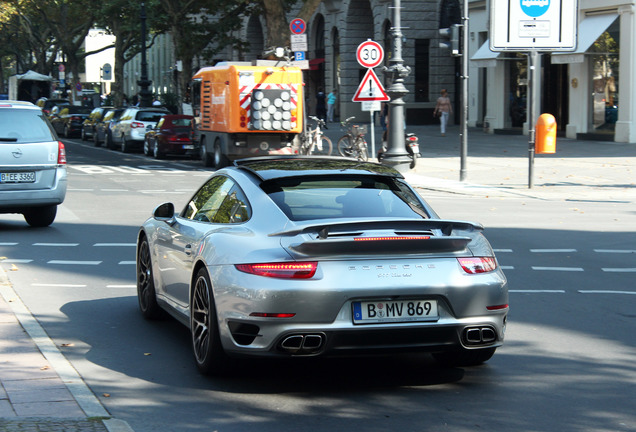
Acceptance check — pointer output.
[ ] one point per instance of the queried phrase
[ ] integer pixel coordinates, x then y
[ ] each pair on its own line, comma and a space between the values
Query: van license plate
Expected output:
395, 311
19, 177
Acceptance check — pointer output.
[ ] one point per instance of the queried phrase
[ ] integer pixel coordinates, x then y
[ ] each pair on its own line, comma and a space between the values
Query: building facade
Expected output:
589, 91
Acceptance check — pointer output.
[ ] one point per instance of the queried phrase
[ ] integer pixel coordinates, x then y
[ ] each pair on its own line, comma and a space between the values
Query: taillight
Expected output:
391, 238
61, 153
136, 125
76, 118
301, 270
476, 265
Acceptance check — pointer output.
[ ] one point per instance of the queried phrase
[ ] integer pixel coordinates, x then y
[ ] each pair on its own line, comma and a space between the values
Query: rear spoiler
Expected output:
323, 230
400, 236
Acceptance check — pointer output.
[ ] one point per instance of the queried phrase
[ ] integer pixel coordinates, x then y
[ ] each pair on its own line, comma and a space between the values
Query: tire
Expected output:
108, 141
146, 294
125, 147
40, 216
66, 132
157, 152
362, 152
204, 328
205, 156
345, 146
146, 147
96, 140
324, 149
464, 357
219, 159
84, 137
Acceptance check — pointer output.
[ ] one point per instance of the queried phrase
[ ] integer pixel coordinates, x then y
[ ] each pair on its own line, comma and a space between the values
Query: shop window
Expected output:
422, 50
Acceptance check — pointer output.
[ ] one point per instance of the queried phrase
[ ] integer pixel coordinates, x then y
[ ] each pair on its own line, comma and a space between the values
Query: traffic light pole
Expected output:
464, 113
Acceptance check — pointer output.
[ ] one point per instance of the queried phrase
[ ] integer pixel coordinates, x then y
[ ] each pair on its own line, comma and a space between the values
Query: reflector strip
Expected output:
272, 315
391, 238
497, 307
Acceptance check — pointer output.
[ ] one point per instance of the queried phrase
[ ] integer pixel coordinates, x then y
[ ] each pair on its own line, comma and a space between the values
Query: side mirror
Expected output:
164, 213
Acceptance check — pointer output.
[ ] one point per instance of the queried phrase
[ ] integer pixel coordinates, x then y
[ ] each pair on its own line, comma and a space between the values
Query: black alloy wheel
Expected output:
146, 293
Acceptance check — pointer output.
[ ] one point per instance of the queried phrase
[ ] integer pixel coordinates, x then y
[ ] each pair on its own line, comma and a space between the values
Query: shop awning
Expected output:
313, 63
590, 28
484, 57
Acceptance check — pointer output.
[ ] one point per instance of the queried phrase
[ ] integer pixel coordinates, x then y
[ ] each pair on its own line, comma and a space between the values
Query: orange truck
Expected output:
245, 110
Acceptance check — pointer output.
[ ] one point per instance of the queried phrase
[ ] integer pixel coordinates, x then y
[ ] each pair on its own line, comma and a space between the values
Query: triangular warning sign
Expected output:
370, 89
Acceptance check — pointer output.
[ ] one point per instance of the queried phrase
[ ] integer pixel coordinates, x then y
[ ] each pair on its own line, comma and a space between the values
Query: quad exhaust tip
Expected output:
479, 336
303, 343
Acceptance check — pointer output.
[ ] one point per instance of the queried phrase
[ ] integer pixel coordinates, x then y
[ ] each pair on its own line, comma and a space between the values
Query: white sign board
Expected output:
299, 42
524, 25
371, 106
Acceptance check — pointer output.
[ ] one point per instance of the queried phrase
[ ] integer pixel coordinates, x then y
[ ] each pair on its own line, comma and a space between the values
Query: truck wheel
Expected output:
205, 156
220, 160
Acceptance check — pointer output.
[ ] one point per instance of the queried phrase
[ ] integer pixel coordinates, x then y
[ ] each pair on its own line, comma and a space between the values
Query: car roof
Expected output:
272, 167
18, 104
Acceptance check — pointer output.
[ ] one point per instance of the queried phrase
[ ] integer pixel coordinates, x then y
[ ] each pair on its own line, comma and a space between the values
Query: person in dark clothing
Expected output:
321, 106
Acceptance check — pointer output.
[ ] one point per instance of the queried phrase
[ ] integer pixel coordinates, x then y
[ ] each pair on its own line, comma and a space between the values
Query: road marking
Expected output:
56, 244
127, 262
538, 291
502, 250
606, 292
621, 251
58, 285
620, 270
114, 190
16, 261
121, 286
552, 250
565, 269
113, 244
8, 244
80, 190
507, 267
65, 262
152, 191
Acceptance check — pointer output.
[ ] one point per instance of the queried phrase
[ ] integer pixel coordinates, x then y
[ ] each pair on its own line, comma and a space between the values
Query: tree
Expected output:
275, 14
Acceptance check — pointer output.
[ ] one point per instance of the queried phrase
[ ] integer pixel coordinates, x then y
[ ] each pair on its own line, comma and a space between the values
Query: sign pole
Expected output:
534, 68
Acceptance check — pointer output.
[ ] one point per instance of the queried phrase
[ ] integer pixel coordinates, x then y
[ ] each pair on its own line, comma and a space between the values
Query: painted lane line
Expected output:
564, 269
56, 244
153, 191
507, 267
8, 244
51, 285
80, 190
114, 244
121, 286
16, 261
538, 291
552, 250
606, 292
65, 262
114, 190
620, 270
620, 251
127, 262
502, 250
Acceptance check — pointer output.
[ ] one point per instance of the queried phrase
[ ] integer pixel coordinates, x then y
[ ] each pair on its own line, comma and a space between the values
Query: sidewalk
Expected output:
498, 165
39, 389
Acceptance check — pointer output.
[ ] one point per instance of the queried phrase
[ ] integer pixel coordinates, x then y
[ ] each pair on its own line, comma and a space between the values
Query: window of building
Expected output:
422, 50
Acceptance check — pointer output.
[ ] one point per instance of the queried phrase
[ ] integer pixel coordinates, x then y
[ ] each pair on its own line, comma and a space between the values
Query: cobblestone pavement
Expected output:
52, 425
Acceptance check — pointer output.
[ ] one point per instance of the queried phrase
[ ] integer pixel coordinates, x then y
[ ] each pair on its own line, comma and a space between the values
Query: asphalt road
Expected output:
567, 364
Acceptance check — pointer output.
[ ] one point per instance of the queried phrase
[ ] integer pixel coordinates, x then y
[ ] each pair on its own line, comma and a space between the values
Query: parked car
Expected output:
33, 176
304, 256
103, 128
90, 124
67, 120
130, 131
173, 134
47, 104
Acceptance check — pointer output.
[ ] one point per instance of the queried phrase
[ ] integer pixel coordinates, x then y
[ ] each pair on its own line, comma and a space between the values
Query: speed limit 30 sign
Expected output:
370, 54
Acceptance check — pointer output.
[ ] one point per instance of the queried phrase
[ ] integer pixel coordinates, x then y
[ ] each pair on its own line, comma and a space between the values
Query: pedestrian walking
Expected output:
331, 104
321, 108
443, 109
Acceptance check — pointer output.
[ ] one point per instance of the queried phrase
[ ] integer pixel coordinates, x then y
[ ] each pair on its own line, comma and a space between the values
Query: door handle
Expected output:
188, 249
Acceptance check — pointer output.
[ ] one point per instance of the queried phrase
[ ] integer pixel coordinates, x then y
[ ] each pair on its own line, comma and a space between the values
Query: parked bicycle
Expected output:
353, 144
314, 141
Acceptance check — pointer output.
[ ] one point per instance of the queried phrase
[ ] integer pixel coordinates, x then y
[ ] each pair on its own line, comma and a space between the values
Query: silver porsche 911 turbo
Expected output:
291, 256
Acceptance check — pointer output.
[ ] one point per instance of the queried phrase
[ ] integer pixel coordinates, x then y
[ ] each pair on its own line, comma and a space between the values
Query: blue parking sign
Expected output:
299, 55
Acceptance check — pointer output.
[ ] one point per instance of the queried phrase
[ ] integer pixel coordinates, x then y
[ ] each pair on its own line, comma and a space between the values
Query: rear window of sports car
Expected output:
330, 197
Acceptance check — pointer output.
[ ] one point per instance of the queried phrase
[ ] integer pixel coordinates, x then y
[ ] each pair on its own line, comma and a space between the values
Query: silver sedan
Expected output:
302, 256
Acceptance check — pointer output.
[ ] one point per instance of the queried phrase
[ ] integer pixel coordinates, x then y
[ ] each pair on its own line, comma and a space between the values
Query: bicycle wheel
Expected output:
345, 146
359, 150
323, 148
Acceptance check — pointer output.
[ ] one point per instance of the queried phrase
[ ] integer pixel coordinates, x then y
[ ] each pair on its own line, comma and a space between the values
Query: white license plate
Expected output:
395, 311
18, 177
188, 147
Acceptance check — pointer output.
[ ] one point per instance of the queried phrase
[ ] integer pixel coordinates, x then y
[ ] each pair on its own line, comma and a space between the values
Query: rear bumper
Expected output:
16, 200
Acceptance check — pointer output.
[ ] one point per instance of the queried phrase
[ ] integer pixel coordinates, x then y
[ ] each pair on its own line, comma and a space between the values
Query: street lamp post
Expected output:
396, 155
145, 95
